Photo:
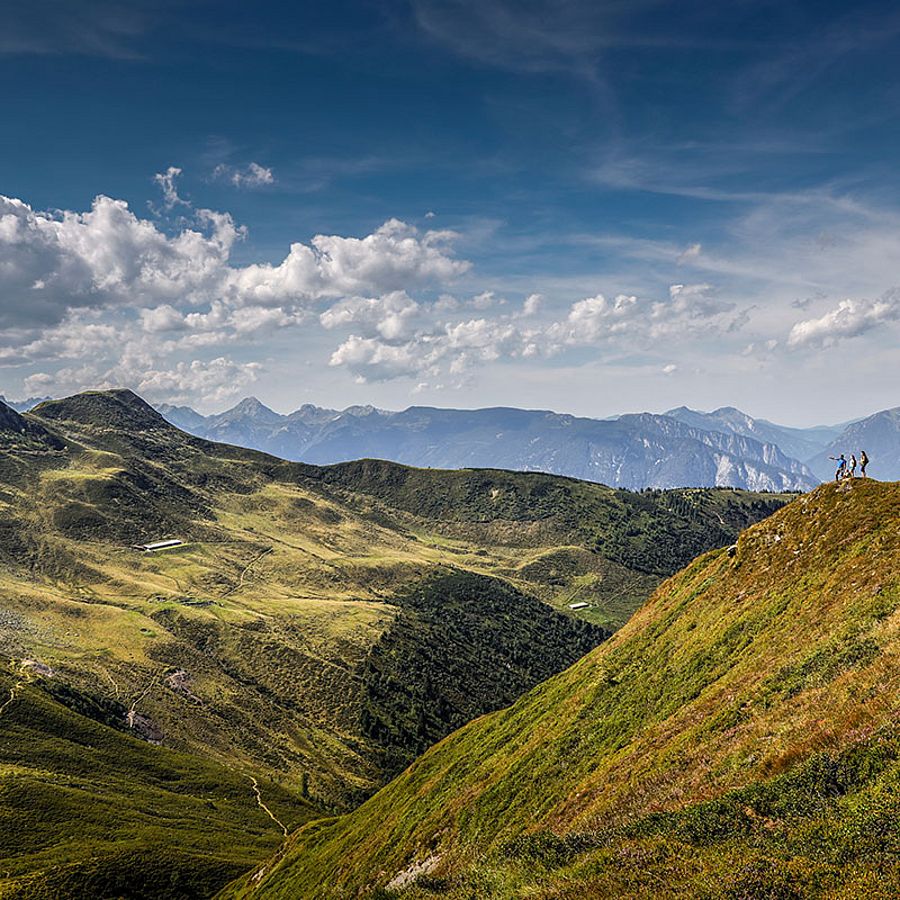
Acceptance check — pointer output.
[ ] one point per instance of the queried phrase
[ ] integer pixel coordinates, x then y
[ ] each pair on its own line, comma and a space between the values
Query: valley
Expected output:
314, 629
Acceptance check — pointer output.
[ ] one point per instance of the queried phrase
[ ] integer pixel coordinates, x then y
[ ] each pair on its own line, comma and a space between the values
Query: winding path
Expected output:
252, 562
14, 691
262, 806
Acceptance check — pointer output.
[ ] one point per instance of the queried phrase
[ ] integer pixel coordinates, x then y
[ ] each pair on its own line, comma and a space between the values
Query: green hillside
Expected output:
737, 738
87, 810
316, 629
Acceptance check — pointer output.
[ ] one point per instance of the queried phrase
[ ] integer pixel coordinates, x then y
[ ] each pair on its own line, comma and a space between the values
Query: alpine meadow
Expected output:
448, 450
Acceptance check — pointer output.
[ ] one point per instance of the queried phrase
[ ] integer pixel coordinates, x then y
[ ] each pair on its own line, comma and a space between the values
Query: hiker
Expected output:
841, 468
863, 462
852, 472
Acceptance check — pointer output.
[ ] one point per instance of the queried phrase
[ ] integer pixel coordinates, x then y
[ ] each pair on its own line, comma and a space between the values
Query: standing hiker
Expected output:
841, 467
863, 462
852, 472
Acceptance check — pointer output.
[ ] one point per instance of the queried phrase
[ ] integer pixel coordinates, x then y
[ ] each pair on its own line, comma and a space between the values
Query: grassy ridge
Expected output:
740, 670
655, 532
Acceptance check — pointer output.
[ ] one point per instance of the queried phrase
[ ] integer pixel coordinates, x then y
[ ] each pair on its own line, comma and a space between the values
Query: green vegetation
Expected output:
443, 661
89, 811
737, 738
654, 532
316, 630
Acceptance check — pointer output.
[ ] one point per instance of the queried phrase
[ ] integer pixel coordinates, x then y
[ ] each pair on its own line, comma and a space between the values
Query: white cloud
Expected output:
254, 175
373, 360
166, 182
692, 252
690, 309
425, 345
390, 316
132, 300
532, 305
850, 318
204, 381
212, 381
394, 257
161, 319
594, 318
484, 300
50, 263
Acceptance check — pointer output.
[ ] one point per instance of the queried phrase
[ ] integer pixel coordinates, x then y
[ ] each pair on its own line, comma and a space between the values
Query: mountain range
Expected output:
169, 717
680, 448
632, 451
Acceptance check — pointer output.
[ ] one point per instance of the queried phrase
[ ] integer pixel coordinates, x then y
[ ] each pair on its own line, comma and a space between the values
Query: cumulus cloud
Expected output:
135, 299
456, 345
532, 305
51, 263
850, 318
252, 176
690, 309
594, 318
153, 303
390, 316
394, 257
205, 381
212, 381
372, 360
425, 345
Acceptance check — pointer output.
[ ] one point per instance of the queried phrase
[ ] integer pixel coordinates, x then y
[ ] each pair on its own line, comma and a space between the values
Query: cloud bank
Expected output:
106, 297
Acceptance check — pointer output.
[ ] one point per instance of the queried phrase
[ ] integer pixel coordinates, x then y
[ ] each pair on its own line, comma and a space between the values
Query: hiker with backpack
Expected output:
863, 462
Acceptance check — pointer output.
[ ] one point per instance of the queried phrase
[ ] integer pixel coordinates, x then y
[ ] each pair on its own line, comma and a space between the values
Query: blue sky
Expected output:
590, 207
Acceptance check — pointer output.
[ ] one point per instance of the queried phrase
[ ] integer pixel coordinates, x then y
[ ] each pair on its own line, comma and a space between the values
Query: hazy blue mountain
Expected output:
182, 417
878, 435
22, 405
800, 443
632, 451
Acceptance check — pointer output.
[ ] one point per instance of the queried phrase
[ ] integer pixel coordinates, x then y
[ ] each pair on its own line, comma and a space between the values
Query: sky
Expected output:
592, 207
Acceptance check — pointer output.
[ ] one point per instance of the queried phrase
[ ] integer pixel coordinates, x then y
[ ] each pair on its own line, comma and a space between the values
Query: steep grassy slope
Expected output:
87, 810
737, 738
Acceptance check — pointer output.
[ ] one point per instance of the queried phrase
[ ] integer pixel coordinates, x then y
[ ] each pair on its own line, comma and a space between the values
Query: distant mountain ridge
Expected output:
633, 451
800, 443
878, 435
23, 405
